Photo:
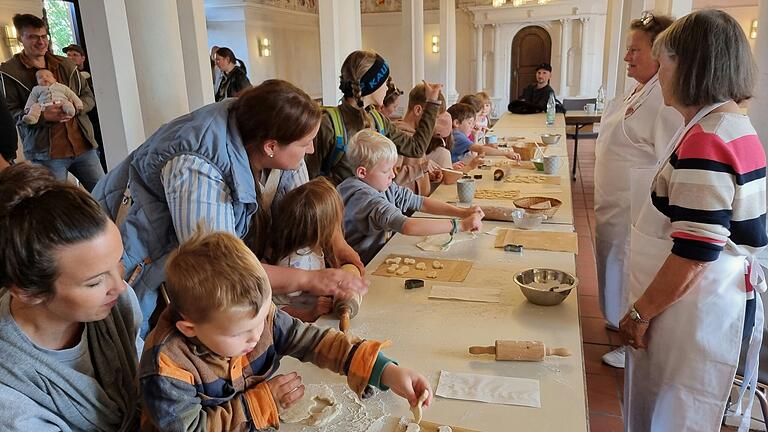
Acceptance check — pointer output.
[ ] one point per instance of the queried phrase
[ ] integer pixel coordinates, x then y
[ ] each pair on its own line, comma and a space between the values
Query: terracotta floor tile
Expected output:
593, 361
604, 423
593, 331
589, 306
603, 394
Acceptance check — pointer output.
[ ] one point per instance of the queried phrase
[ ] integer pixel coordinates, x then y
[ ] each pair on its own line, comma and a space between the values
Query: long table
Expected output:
434, 335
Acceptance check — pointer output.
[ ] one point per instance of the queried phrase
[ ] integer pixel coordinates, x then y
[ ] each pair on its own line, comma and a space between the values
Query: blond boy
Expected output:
374, 206
209, 363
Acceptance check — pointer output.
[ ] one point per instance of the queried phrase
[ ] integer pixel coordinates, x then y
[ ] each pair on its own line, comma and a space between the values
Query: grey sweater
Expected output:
38, 394
371, 216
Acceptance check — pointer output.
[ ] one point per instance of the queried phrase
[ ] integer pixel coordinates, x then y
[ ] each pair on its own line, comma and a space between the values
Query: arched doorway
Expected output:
530, 47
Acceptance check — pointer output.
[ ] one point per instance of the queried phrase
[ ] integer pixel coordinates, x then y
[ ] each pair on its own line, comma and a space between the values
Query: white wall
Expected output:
9, 8
744, 15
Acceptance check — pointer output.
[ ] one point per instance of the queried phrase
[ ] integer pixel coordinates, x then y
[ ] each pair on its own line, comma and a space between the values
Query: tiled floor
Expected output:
605, 385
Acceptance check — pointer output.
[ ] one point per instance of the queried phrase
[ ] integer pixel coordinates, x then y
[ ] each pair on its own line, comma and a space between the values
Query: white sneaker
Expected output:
615, 358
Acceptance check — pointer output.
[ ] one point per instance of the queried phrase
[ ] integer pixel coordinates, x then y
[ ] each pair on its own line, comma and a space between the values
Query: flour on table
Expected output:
316, 408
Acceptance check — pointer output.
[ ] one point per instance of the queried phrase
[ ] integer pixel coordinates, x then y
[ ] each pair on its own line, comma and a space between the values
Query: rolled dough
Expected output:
317, 408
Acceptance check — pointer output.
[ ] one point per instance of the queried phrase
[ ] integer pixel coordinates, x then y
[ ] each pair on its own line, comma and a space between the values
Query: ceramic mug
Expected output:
552, 164
589, 108
466, 189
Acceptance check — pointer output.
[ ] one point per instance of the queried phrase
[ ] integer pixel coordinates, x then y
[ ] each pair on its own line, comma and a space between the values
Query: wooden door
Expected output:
530, 47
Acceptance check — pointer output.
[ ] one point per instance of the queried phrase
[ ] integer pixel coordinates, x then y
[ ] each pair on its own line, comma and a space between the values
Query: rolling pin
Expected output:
347, 309
519, 350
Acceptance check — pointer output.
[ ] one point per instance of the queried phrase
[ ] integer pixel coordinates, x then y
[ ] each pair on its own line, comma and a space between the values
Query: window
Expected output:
61, 19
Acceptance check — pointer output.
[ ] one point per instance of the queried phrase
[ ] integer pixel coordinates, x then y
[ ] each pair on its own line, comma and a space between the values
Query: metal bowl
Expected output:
550, 139
525, 220
545, 287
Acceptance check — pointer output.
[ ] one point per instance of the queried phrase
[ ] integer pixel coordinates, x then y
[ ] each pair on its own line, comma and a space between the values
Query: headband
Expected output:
372, 79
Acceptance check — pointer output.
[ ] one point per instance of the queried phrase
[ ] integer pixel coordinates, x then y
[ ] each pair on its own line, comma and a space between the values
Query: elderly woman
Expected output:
693, 241
68, 322
634, 134
225, 165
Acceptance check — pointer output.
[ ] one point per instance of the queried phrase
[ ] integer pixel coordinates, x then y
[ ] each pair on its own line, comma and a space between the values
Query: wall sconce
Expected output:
13, 39
753, 30
498, 3
435, 44
264, 47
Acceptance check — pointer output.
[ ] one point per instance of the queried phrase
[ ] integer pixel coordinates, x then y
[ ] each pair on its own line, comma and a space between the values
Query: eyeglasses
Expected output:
36, 38
647, 18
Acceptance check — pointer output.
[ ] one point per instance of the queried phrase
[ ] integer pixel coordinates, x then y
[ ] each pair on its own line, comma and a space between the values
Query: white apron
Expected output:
634, 133
682, 380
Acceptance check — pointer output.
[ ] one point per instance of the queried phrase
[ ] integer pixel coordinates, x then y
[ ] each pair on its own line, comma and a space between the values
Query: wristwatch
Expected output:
634, 315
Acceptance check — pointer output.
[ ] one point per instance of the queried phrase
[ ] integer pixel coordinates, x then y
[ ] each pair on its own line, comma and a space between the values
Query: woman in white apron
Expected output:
635, 131
692, 242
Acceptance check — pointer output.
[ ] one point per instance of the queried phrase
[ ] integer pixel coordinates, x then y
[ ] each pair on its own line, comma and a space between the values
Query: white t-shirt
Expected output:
304, 259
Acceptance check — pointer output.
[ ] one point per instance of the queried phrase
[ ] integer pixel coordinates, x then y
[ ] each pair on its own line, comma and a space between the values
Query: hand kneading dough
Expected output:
402, 270
392, 268
302, 412
416, 410
421, 266
437, 265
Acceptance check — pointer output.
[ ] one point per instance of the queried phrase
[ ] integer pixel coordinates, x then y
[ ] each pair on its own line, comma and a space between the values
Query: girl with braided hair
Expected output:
363, 82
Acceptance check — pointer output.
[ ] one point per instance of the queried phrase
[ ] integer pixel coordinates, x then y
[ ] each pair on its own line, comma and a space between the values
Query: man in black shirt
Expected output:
535, 96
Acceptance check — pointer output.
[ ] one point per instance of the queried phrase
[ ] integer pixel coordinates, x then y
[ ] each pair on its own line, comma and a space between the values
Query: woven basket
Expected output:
527, 202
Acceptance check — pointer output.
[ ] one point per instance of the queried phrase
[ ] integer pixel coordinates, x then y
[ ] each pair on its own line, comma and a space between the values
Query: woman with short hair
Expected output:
692, 269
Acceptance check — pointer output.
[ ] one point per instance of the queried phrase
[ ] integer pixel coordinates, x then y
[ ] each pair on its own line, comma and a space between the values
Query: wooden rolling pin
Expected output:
345, 310
519, 350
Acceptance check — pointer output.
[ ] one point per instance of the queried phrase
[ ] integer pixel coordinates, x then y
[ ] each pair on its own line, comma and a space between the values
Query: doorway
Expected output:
531, 46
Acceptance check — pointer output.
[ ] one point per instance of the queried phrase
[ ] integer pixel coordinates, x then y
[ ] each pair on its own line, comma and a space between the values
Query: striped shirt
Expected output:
196, 192
713, 189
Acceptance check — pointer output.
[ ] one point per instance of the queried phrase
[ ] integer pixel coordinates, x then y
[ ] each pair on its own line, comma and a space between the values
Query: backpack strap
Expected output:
378, 120
341, 140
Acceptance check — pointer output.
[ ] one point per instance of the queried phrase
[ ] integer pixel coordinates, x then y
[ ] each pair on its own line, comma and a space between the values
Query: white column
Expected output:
632, 9
674, 8
565, 44
479, 74
584, 62
105, 25
448, 49
340, 34
498, 97
156, 46
413, 39
613, 59
194, 49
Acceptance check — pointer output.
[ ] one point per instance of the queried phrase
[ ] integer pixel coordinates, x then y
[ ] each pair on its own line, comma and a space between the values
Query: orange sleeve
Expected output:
262, 406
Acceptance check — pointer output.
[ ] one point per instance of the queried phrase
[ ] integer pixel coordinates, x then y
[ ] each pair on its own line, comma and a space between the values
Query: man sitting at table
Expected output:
535, 96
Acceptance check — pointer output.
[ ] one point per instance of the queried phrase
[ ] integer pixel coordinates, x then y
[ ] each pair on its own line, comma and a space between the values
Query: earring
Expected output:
271, 155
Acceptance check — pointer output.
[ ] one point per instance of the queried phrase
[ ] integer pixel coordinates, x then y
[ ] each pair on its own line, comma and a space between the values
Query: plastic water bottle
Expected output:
600, 100
551, 109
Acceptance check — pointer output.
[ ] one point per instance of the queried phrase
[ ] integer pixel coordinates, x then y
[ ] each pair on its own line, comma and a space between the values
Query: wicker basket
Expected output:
527, 202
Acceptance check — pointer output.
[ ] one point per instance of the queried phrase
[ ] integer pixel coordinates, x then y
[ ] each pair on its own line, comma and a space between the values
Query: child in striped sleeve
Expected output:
209, 363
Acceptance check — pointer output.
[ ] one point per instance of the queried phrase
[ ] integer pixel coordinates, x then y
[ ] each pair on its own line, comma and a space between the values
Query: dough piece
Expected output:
395, 260
409, 261
542, 205
421, 266
402, 270
416, 410
432, 274
437, 265
318, 407
392, 268
444, 429
413, 427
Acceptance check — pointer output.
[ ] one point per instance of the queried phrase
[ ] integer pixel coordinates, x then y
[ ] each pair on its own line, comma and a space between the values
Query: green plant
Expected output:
59, 24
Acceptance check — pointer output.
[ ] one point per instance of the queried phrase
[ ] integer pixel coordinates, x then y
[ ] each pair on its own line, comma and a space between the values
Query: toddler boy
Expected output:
374, 206
209, 363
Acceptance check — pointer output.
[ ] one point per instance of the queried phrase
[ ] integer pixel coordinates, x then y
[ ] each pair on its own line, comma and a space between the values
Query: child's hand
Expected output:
458, 166
472, 222
512, 155
286, 389
406, 383
323, 306
432, 90
443, 125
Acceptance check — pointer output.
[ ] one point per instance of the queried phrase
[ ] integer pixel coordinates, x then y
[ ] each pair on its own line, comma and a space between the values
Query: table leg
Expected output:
575, 151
